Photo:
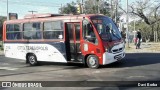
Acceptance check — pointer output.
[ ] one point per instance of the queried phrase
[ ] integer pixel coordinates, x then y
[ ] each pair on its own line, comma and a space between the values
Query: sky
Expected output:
22, 7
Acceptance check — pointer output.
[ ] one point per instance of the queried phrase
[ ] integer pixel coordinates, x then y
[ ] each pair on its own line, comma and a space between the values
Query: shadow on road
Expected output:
136, 59
131, 60
69, 65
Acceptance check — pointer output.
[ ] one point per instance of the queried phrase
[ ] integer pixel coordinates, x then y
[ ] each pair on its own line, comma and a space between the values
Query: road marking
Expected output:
4, 63
96, 72
8, 68
136, 77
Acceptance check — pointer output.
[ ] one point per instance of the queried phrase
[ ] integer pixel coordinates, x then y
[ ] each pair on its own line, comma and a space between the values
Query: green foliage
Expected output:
146, 30
92, 7
69, 9
1, 46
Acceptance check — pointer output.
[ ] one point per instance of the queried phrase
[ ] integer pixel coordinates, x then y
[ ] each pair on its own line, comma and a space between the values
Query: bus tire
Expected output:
32, 59
92, 61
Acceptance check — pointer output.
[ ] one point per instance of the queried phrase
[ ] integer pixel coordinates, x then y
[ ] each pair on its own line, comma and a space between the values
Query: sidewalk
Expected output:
145, 48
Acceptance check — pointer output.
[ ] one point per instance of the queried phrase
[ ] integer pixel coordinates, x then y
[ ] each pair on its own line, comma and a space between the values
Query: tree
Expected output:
149, 12
97, 6
90, 7
70, 8
145, 9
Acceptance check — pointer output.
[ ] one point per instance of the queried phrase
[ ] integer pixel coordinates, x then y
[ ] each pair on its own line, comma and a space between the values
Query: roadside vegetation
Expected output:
146, 14
1, 45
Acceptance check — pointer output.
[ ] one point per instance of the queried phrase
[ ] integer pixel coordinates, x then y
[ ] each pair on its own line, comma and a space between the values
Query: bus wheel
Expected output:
32, 60
92, 61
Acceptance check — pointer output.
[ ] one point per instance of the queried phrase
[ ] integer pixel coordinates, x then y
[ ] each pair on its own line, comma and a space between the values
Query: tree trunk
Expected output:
152, 33
158, 36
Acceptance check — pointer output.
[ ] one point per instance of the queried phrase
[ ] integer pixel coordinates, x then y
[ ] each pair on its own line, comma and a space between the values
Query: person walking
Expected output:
139, 37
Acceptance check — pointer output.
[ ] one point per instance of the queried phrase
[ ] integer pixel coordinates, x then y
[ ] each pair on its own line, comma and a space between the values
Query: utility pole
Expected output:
134, 24
111, 9
7, 11
98, 11
32, 11
82, 8
116, 10
61, 8
127, 36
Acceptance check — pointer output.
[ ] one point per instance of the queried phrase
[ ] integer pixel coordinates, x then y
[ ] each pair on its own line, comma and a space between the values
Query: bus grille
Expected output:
117, 50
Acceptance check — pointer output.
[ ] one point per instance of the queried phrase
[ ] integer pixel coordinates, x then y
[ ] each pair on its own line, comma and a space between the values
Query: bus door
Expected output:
72, 35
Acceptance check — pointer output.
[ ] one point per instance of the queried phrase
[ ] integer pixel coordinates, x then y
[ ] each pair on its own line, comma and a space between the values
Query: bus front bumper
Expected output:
110, 57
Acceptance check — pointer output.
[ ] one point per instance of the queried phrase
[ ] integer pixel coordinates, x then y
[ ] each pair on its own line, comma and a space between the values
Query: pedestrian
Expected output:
139, 37
135, 41
123, 35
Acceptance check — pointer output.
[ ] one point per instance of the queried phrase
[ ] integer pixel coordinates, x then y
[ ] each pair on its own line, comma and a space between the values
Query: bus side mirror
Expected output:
88, 37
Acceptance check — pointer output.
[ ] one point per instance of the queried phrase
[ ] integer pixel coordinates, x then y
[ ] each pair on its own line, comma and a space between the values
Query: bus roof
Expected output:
43, 17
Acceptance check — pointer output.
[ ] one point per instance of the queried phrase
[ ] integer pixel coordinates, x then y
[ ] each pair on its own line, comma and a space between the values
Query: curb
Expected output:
141, 51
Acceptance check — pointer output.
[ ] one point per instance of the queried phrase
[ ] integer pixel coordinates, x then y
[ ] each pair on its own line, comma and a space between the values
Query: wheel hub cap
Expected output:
92, 61
32, 59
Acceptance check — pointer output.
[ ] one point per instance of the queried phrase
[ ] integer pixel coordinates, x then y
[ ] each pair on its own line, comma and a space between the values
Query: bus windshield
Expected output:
106, 28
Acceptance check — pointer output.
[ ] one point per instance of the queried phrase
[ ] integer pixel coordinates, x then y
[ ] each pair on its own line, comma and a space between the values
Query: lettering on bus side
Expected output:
32, 48
7, 47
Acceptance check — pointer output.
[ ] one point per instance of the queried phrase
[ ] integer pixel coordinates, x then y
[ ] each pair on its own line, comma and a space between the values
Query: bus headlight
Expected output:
108, 50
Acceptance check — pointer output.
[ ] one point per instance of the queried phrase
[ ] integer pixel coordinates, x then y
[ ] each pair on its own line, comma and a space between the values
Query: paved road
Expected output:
135, 67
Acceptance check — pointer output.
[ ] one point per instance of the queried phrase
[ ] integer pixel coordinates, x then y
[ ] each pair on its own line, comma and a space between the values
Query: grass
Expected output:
128, 48
155, 47
1, 45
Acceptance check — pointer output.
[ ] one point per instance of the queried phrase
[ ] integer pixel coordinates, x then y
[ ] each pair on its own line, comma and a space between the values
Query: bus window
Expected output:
70, 32
88, 33
107, 29
53, 30
32, 31
13, 32
77, 29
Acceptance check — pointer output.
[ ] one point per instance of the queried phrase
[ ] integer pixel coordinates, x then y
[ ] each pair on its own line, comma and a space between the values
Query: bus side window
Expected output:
88, 32
13, 32
53, 30
37, 30
32, 31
